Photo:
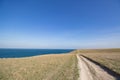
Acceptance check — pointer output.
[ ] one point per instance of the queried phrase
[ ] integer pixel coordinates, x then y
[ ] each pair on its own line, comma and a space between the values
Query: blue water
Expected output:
16, 53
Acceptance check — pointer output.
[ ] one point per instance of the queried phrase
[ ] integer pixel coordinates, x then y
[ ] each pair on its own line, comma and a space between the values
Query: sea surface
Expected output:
16, 53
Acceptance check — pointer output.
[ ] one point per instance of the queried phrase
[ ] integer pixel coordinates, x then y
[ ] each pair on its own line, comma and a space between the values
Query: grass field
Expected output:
107, 57
46, 67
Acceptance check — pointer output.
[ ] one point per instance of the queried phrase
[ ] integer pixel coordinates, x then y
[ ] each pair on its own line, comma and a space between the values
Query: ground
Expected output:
46, 67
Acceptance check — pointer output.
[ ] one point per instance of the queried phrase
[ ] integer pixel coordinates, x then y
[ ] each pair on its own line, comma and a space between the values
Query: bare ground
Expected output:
91, 71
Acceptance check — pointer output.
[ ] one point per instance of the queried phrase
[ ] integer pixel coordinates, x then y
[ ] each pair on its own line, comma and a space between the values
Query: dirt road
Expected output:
91, 71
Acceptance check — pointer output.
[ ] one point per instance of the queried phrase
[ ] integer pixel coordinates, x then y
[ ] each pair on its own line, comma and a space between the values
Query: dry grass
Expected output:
107, 57
46, 67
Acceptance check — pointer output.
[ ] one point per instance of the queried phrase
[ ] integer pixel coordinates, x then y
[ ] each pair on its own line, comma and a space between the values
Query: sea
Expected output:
17, 53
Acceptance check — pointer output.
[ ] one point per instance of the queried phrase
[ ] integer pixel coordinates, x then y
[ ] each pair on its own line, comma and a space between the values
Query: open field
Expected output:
46, 67
107, 57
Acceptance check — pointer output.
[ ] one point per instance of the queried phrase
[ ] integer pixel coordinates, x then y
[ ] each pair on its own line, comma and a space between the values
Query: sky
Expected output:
60, 24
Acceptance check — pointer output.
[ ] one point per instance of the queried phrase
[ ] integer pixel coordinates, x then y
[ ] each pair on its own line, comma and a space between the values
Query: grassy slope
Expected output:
107, 57
47, 67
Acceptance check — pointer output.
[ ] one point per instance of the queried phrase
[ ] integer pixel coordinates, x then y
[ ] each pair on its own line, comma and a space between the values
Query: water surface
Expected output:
14, 53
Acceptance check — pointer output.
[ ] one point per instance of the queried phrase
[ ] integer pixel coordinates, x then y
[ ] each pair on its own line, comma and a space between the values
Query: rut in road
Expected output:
91, 71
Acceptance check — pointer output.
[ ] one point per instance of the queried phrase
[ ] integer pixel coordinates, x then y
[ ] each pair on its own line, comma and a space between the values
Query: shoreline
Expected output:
35, 56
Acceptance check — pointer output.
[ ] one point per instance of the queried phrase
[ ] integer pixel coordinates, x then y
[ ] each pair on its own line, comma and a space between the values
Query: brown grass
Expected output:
107, 57
46, 67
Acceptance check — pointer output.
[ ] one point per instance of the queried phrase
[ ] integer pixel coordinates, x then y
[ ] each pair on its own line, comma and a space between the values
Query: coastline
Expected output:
35, 56
20, 53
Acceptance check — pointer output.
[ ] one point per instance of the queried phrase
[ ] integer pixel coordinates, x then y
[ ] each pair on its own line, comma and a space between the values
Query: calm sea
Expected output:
15, 53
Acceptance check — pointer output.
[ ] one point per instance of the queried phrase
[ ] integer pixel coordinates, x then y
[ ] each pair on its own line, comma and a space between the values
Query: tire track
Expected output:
90, 71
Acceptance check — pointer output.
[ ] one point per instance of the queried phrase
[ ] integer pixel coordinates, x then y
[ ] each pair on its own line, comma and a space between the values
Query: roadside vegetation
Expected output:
45, 67
107, 57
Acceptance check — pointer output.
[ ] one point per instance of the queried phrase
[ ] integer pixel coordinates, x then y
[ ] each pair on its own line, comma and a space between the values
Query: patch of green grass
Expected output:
46, 67
107, 57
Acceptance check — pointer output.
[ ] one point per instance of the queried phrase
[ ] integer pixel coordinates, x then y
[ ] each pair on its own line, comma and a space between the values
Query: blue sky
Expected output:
59, 23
